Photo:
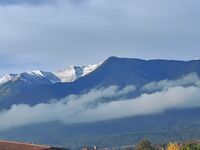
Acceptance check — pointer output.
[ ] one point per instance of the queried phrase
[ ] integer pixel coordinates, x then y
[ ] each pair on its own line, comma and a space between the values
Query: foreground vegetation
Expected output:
146, 145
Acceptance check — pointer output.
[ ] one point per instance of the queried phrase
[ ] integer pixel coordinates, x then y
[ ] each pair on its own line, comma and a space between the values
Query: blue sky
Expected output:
52, 34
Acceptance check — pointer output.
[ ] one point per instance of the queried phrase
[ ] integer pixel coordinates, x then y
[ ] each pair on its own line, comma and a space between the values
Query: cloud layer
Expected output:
72, 30
105, 104
185, 81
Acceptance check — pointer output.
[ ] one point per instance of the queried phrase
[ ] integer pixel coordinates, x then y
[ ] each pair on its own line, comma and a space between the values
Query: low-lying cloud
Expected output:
105, 104
190, 79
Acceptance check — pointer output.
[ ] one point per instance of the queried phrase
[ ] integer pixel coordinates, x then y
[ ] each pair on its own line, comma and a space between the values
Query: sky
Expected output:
52, 34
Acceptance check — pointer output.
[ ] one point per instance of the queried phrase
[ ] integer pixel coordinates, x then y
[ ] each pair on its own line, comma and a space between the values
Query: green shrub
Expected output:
144, 145
191, 146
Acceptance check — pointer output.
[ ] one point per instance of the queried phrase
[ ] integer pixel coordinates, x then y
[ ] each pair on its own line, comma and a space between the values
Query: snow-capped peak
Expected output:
72, 73
69, 74
31, 77
46, 75
7, 78
88, 69
36, 72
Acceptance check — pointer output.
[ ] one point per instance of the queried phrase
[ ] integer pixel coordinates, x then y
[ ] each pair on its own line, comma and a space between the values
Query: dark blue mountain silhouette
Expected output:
114, 71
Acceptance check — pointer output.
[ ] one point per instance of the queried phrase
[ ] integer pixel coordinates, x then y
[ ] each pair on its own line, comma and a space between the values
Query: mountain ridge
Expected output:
114, 71
11, 84
69, 74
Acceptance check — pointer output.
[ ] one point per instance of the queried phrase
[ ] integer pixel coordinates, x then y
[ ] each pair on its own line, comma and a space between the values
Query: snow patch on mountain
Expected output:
69, 74
31, 77
47, 75
72, 73
7, 78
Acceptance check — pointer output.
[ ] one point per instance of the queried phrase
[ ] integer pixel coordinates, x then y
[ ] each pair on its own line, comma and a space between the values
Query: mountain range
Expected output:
38, 87
13, 84
69, 74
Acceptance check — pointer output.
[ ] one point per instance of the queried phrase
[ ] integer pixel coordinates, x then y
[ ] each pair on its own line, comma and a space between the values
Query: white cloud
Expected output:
94, 105
59, 111
188, 80
173, 98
